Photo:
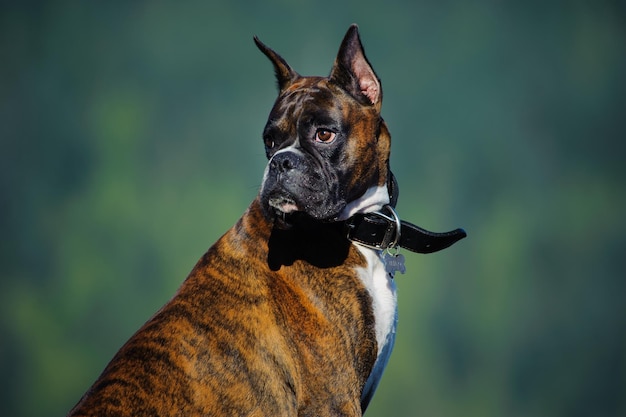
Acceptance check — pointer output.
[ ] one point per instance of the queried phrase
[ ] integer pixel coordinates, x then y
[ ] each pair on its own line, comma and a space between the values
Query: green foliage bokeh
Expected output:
130, 140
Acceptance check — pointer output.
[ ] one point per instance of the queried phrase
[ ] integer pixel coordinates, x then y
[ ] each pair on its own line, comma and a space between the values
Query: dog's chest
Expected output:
382, 289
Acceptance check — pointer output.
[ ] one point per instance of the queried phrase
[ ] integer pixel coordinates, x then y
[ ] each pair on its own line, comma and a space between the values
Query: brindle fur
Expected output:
270, 322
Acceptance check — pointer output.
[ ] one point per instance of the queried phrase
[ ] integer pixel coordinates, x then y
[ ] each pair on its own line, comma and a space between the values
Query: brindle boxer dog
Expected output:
292, 312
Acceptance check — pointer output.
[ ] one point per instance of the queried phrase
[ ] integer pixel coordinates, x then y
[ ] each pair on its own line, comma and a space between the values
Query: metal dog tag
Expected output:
393, 263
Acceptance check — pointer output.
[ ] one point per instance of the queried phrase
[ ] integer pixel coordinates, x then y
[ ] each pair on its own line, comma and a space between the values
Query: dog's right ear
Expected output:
285, 75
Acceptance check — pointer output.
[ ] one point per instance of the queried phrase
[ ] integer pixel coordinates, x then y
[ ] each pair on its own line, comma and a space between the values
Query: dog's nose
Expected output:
284, 161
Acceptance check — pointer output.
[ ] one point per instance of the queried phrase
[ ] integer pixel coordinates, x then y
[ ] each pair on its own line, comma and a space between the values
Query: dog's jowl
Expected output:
293, 311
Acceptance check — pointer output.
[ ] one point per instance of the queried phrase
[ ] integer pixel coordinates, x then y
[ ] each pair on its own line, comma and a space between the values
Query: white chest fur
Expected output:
382, 289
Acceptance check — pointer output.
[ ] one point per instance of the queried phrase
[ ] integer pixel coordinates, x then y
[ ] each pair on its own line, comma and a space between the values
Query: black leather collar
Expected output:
379, 230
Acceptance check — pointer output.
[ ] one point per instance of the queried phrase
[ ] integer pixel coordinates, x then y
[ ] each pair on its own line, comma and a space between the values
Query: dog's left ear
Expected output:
353, 72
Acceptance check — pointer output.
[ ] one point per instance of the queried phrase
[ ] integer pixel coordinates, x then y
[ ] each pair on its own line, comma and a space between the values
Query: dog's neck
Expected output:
372, 200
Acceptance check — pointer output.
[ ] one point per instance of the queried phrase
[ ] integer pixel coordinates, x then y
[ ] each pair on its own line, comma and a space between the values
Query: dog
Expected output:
292, 312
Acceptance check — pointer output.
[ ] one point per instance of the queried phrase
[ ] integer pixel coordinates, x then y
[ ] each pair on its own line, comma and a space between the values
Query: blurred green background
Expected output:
131, 140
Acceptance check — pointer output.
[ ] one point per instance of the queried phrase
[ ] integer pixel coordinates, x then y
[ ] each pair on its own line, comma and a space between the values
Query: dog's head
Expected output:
327, 145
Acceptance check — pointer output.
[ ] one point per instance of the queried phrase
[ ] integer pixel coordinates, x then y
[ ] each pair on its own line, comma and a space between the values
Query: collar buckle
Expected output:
394, 228
386, 236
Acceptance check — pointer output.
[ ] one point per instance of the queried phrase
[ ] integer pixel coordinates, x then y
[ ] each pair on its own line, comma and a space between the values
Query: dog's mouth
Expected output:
283, 209
283, 204
287, 211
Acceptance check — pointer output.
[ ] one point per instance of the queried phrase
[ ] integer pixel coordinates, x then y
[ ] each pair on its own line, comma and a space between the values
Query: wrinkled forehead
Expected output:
310, 97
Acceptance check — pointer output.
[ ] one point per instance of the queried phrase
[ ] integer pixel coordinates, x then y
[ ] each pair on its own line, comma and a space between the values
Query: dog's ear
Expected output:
284, 74
353, 72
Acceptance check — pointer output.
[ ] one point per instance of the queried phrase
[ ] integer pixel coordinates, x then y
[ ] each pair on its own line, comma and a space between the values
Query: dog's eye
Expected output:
324, 136
269, 142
